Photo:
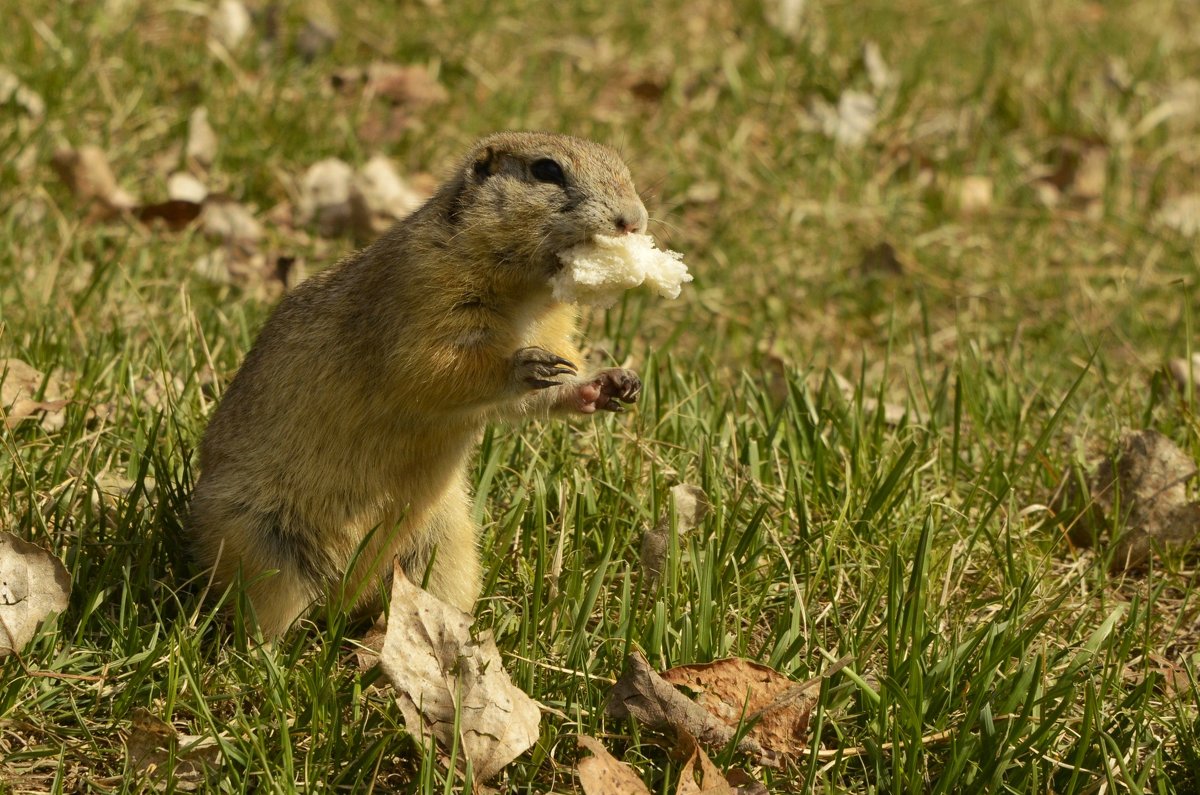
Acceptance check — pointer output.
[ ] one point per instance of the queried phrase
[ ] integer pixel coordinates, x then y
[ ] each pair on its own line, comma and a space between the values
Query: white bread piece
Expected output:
596, 273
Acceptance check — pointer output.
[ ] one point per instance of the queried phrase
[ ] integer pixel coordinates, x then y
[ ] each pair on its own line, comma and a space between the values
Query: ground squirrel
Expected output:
345, 438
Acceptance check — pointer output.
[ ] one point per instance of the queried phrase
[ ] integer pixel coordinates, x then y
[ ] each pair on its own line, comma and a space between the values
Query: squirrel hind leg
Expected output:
450, 538
281, 572
277, 600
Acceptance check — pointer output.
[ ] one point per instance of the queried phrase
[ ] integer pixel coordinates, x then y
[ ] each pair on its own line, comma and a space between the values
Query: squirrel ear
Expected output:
486, 164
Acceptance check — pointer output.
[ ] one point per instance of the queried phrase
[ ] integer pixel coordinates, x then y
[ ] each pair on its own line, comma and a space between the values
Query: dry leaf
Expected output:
603, 774
175, 213
642, 694
230, 222
737, 691
14, 91
86, 172
1182, 214
786, 16
1186, 373
159, 390
852, 121
19, 388
152, 743
690, 508
1173, 678
182, 186
699, 776
880, 259
975, 194
1146, 476
325, 193
384, 126
318, 35
201, 139
288, 271
745, 784
702, 192
410, 86
893, 414
380, 197
228, 23
113, 490
438, 669
265, 276
878, 73
1091, 175
27, 211
367, 651
33, 584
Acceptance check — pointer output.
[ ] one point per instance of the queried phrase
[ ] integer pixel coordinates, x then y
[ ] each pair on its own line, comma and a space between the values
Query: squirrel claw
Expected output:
536, 368
617, 386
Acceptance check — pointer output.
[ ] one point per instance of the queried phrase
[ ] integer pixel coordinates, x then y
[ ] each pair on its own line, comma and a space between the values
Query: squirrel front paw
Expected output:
537, 368
608, 390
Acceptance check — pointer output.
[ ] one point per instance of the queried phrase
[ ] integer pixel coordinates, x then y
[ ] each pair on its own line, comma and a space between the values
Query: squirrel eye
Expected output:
546, 170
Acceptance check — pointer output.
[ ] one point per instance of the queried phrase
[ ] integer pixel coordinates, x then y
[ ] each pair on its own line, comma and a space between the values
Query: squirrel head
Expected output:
520, 198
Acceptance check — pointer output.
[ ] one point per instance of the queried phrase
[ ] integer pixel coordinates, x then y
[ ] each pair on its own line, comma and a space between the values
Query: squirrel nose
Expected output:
631, 220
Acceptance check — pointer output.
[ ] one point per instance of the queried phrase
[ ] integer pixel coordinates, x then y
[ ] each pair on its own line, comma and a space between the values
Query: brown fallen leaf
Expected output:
975, 194
14, 91
228, 24
266, 276
230, 222
703, 192
690, 507
880, 259
1172, 679
325, 192
879, 74
20, 385
201, 139
158, 390
699, 776
379, 197
642, 694
651, 699
745, 784
893, 414
786, 16
176, 214
412, 86
368, 649
849, 123
650, 88
88, 176
182, 186
152, 743
319, 34
1145, 477
438, 669
604, 774
1181, 214
1091, 176
738, 691
384, 126
33, 585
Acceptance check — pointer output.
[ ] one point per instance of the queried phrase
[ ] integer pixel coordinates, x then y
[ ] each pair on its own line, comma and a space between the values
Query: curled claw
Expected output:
537, 368
617, 386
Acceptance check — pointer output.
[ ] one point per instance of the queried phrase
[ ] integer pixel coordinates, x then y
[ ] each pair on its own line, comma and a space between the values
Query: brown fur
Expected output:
357, 410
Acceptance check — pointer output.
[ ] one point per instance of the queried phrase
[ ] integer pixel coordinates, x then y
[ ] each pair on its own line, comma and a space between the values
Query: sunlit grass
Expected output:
988, 656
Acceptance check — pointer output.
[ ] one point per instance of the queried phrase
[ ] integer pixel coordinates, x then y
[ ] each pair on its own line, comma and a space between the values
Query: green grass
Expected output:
988, 656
